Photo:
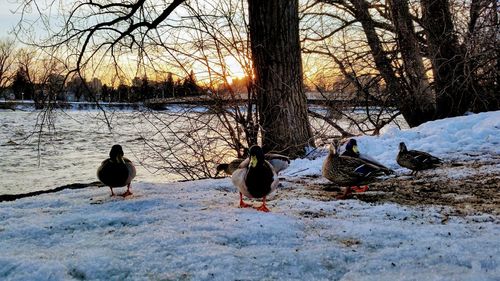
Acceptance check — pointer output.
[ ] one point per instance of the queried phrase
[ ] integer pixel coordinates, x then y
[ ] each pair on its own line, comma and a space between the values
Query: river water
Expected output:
70, 151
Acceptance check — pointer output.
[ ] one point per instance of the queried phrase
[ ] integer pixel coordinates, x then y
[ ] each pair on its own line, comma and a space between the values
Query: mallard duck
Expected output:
349, 171
255, 178
352, 150
116, 171
416, 160
278, 161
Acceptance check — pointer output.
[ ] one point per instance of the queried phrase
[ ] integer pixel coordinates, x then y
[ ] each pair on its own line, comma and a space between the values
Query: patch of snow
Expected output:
193, 230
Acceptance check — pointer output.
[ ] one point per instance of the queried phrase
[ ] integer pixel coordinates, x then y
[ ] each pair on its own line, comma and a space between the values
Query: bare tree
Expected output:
7, 63
405, 40
137, 25
274, 32
451, 84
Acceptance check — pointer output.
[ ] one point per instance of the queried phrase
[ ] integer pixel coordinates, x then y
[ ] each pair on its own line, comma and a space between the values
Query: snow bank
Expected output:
475, 136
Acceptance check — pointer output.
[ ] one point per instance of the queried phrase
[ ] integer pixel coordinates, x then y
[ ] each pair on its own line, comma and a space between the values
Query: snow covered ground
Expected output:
194, 231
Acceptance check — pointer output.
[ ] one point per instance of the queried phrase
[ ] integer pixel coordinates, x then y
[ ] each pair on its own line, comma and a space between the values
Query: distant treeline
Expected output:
80, 90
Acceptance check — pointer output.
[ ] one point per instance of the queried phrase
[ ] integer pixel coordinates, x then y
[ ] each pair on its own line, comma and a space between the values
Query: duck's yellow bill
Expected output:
355, 149
253, 161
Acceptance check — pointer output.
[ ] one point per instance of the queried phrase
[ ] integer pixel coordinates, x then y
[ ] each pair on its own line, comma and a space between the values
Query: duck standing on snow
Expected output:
349, 171
352, 150
255, 178
116, 171
278, 161
416, 160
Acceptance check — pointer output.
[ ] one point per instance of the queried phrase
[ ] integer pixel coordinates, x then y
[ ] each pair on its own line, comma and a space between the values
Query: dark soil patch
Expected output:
468, 189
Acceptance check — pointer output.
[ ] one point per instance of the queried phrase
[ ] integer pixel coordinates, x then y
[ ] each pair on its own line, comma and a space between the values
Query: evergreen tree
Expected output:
189, 85
21, 86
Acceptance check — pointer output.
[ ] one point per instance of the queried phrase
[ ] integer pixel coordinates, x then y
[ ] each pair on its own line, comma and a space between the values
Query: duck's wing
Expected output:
244, 163
275, 156
233, 165
239, 176
278, 162
372, 161
131, 169
360, 168
406, 160
275, 182
103, 163
424, 157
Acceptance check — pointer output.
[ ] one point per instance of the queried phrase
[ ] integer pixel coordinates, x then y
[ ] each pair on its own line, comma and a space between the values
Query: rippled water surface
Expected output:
70, 152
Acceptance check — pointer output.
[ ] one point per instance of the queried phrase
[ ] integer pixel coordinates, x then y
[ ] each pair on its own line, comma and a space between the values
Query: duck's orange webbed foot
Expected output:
359, 188
127, 193
263, 207
243, 204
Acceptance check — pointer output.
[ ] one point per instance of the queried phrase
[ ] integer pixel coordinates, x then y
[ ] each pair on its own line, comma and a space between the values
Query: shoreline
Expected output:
13, 197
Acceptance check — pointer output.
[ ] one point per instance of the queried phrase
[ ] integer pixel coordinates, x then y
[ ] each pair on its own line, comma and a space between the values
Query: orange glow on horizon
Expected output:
234, 68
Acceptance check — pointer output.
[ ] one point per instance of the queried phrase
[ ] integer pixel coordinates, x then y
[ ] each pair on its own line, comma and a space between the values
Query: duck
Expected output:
278, 161
255, 178
349, 172
416, 160
117, 171
230, 167
352, 150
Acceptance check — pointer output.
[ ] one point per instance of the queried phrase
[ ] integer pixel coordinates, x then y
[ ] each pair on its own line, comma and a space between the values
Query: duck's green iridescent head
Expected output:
352, 146
256, 155
116, 153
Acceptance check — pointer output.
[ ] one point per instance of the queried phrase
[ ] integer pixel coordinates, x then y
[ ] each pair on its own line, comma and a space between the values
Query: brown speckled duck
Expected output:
117, 171
416, 160
349, 171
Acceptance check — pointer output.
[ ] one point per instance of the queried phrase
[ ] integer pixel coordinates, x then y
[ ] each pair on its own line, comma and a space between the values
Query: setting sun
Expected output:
234, 68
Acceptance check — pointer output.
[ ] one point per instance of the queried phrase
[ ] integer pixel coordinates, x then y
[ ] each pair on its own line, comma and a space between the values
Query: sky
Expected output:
7, 19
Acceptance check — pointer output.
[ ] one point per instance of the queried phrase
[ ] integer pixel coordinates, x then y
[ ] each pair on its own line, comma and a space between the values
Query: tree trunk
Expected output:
420, 92
407, 101
452, 86
276, 56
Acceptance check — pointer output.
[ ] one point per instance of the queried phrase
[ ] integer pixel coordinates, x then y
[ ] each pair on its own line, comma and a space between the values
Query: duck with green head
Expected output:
352, 150
255, 178
117, 171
